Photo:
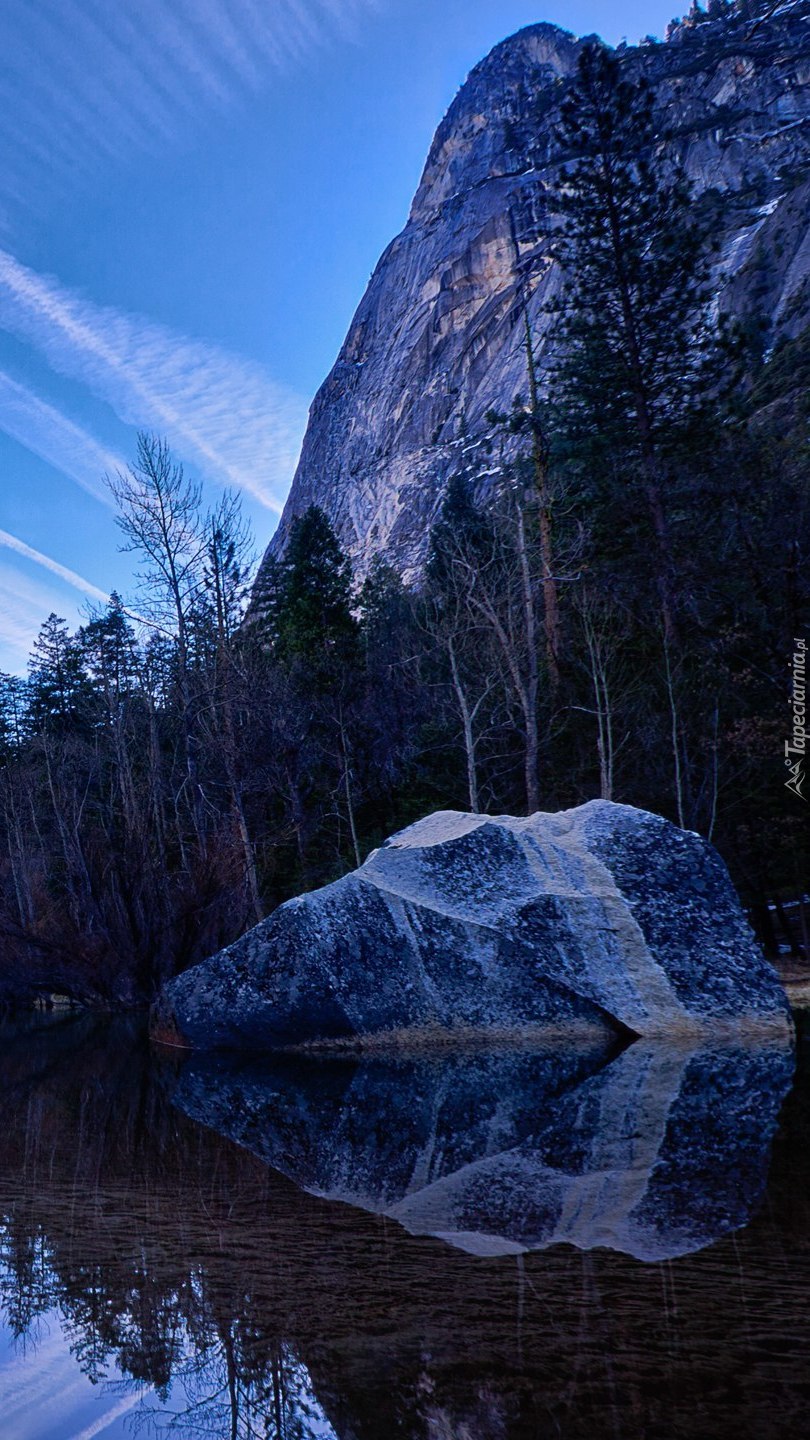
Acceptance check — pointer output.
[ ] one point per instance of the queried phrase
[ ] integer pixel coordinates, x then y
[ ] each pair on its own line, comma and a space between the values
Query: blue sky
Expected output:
192, 198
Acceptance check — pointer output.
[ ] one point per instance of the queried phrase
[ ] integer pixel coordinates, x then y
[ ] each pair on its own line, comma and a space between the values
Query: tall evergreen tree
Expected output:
60, 696
632, 348
228, 566
311, 617
110, 652
13, 702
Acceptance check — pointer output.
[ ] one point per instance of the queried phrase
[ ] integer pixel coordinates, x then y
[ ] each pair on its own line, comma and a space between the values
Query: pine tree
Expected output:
13, 704
393, 703
461, 526
60, 694
631, 341
110, 652
227, 568
311, 610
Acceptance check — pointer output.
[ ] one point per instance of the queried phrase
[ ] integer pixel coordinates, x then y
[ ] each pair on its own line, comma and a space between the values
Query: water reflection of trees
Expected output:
118, 1214
256, 1311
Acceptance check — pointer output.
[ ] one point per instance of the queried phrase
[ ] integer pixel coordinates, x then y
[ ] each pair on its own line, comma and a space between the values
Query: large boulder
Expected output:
603, 918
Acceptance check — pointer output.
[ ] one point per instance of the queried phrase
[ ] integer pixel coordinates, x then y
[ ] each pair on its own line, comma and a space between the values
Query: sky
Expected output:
193, 197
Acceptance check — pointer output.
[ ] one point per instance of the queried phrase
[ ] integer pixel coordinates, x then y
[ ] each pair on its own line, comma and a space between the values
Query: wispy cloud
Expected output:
86, 81
46, 431
24, 604
11, 542
215, 408
20, 620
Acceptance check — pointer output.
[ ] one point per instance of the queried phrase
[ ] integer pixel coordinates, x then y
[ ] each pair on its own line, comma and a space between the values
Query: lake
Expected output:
479, 1246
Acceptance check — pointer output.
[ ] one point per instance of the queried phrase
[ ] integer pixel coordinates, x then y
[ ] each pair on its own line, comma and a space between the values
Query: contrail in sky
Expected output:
11, 542
43, 429
216, 409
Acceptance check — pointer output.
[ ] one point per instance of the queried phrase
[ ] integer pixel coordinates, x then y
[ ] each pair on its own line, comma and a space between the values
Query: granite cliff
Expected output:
437, 339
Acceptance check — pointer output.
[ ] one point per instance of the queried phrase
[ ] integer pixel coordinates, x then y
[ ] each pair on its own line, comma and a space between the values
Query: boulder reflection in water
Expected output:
176, 1260
655, 1152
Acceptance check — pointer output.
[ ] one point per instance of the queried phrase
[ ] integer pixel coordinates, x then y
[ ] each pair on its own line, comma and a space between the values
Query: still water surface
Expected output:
483, 1247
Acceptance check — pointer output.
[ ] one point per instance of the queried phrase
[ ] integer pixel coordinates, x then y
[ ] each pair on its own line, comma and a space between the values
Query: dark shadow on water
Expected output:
182, 1259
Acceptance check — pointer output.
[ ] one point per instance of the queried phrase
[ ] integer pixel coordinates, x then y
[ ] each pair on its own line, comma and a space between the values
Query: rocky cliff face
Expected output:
437, 339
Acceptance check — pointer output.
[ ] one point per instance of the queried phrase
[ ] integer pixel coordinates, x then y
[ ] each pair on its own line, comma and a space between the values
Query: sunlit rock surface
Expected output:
655, 1152
438, 339
603, 918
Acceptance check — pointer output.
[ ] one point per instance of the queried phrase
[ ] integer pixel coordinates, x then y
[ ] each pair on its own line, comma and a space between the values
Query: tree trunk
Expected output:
532, 688
674, 736
551, 604
467, 725
347, 784
551, 608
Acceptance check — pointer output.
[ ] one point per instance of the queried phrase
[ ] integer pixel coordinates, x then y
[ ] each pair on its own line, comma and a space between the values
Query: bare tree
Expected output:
457, 630
160, 518
490, 574
229, 563
610, 674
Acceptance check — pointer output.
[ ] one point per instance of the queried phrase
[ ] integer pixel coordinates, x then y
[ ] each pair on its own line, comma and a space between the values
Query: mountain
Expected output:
437, 340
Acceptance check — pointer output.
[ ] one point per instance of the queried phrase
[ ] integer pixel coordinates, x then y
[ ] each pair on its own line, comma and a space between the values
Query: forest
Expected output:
615, 588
